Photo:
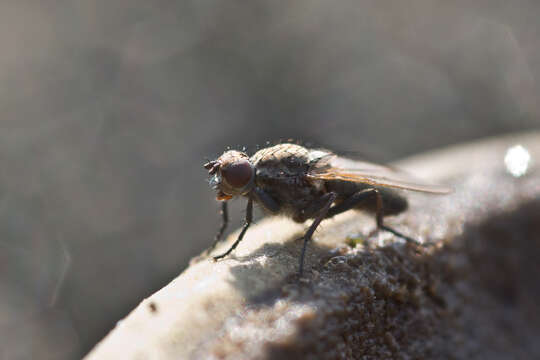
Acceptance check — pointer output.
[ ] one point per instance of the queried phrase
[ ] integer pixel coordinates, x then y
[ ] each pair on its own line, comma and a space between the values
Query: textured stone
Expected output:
367, 294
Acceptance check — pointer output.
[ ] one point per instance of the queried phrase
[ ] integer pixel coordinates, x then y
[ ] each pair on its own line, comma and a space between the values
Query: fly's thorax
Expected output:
281, 172
281, 161
281, 152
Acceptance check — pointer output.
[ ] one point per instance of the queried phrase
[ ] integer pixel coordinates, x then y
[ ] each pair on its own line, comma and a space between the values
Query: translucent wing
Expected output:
333, 167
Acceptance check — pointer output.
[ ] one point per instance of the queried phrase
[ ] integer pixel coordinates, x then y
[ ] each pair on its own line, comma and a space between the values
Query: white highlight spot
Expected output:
517, 160
317, 154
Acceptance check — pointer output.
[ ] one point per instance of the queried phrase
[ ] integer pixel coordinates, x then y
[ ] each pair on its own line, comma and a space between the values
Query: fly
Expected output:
304, 184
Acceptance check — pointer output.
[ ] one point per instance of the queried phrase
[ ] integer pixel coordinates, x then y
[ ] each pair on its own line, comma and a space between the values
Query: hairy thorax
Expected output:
281, 172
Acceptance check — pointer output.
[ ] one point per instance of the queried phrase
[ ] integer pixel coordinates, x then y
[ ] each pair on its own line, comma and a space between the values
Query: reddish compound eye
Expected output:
237, 174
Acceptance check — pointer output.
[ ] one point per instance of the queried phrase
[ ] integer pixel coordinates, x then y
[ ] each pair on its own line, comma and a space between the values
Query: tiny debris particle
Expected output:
354, 241
152, 306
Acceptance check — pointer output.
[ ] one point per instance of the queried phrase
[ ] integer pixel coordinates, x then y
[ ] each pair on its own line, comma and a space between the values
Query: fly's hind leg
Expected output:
366, 195
380, 224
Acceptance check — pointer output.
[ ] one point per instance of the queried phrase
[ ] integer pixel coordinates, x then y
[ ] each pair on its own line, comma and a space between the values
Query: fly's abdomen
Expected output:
393, 203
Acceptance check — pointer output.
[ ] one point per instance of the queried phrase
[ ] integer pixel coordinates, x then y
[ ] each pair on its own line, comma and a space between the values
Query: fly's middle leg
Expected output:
328, 199
380, 224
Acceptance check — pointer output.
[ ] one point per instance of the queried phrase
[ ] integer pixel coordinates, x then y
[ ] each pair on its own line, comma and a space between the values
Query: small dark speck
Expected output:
153, 307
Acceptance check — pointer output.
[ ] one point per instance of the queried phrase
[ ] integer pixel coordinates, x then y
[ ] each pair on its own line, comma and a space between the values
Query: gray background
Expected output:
108, 109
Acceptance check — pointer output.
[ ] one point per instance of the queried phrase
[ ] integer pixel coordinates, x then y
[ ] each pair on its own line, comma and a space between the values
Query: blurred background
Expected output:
108, 109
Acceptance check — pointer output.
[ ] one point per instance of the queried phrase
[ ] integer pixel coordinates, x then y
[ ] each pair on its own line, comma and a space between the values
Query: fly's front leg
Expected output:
224, 222
329, 199
249, 218
364, 195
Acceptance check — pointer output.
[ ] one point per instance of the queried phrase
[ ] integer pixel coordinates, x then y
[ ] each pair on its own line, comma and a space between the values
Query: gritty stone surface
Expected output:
471, 294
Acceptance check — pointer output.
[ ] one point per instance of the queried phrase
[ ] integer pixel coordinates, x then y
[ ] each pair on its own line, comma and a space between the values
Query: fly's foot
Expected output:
408, 239
400, 235
218, 257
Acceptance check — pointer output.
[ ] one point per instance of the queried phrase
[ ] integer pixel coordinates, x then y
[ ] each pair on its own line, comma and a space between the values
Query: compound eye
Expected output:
237, 174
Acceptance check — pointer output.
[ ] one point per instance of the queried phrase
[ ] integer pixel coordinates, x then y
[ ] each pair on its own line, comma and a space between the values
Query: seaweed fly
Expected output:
304, 184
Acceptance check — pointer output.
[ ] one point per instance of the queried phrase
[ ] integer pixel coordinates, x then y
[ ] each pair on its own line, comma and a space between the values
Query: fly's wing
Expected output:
333, 167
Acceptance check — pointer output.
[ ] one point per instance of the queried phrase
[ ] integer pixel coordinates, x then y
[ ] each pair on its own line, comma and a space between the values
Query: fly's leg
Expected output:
352, 202
379, 216
224, 222
266, 200
330, 198
364, 195
249, 218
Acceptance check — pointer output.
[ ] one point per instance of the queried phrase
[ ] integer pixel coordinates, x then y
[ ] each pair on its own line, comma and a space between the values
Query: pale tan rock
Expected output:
378, 299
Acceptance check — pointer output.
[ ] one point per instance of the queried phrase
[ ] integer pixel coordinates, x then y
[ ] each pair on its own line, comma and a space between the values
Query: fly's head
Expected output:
232, 174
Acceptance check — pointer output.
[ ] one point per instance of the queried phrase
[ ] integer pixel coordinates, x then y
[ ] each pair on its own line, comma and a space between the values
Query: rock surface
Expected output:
367, 294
